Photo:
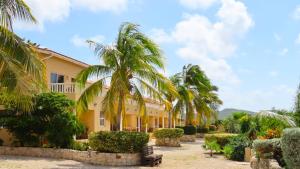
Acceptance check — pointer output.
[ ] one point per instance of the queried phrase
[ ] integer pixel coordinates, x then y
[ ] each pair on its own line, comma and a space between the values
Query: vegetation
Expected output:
80, 146
131, 66
221, 138
290, 147
235, 149
196, 94
212, 145
51, 112
188, 130
168, 133
118, 141
21, 72
202, 129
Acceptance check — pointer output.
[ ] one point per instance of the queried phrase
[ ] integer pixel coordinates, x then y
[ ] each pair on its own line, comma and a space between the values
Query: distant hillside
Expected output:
227, 112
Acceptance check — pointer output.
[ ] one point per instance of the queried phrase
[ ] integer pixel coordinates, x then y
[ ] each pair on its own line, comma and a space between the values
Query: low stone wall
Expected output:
92, 157
200, 135
188, 138
264, 163
168, 142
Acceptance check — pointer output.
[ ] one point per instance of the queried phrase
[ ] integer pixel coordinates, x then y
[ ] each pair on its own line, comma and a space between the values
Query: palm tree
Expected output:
21, 72
131, 67
197, 94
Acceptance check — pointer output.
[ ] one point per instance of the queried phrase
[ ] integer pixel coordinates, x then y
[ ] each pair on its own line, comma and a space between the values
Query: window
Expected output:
56, 78
102, 119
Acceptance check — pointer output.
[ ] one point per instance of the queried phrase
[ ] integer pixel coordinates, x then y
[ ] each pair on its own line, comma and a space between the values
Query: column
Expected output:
163, 121
158, 122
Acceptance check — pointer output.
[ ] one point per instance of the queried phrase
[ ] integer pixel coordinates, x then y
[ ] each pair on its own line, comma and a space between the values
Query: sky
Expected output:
250, 49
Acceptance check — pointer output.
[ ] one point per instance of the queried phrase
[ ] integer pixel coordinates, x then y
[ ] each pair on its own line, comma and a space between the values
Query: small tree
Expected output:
212, 146
51, 120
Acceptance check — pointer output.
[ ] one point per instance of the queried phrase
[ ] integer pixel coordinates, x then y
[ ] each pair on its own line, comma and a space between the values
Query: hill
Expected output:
228, 111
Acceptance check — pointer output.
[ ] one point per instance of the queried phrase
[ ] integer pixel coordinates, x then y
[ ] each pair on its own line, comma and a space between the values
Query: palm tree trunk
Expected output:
170, 120
119, 115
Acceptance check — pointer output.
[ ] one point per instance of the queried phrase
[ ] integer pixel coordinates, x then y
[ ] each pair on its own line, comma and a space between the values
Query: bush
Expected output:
212, 145
265, 148
202, 129
235, 149
81, 146
221, 138
51, 120
188, 130
168, 133
118, 142
1, 142
212, 128
291, 147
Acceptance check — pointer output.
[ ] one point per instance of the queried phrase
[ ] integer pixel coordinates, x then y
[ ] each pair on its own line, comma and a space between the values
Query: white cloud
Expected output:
296, 13
44, 11
197, 4
284, 52
81, 42
58, 10
297, 41
160, 36
211, 43
258, 99
115, 6
273, 73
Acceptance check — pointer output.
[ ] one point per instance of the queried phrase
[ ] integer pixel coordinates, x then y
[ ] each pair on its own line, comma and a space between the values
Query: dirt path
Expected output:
189, 156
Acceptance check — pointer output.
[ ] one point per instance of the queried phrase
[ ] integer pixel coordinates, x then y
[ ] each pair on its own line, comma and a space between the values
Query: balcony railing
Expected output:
62, 87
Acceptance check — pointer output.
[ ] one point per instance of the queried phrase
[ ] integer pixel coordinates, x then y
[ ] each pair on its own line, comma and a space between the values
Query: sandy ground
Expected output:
189, 156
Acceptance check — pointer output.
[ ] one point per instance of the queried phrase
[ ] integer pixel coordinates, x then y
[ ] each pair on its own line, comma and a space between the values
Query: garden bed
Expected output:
188, 138
91, 157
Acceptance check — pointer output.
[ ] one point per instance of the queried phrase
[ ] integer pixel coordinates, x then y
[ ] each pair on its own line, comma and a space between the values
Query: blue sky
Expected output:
250, 49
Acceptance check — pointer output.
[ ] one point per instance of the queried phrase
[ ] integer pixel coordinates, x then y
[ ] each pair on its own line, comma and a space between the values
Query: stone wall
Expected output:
188, 138
264, 163
168, 142
200, 135
92, 157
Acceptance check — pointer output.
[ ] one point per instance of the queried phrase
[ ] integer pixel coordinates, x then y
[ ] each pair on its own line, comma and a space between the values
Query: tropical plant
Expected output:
235, 149
131, 66
212, 145
51, 113
21, 72
196, 94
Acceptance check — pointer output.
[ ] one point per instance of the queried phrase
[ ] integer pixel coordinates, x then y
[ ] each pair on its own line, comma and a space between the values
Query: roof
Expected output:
63, 57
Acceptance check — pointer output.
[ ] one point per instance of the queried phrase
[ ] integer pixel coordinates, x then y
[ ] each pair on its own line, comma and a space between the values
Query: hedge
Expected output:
168, 133
202, 129
290, 144
270, 148
221, 138
235, 149
118, 142
188, 130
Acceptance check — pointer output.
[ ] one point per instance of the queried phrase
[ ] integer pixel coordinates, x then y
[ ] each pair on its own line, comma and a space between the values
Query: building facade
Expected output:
61, 72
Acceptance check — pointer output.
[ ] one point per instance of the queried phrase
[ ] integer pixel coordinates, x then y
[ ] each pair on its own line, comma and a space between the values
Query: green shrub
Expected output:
168, 133
51, 119
202, 129
291, 147
212, 128
1, 142
118, 142
81, 146
188, 130
221, 138
235, 149
212, 145
265, 148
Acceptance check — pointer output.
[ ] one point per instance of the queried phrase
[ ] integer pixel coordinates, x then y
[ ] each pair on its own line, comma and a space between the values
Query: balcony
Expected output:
62, 87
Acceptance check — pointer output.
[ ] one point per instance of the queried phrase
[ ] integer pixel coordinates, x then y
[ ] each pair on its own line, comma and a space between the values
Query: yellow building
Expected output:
61, 71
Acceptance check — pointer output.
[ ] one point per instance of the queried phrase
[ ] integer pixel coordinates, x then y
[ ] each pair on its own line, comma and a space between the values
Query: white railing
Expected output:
62, 87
